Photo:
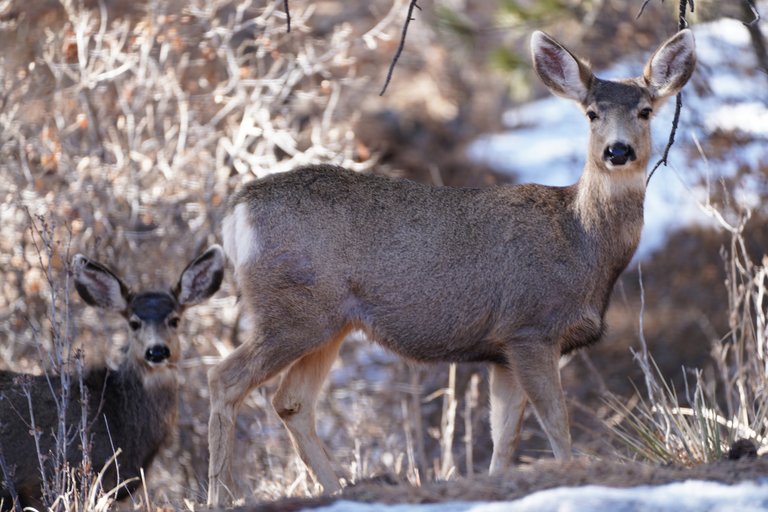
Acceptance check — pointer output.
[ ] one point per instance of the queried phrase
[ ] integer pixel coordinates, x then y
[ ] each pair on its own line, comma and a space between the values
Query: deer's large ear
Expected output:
672, 65
201, 278
560, 70
98, 286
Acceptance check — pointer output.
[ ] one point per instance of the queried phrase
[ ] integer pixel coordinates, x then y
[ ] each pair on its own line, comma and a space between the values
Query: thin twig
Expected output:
470, 403
675, 120
755, 13
448, 425
287, 14
643, 357
681, 24
408, 20
8, 482
642, 8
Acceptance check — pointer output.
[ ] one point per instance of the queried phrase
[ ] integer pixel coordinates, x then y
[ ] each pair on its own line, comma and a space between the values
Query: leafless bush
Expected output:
63, 487
721, 408
125, 131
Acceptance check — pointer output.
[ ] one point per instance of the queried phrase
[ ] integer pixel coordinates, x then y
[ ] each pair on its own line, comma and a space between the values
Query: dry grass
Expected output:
725, 406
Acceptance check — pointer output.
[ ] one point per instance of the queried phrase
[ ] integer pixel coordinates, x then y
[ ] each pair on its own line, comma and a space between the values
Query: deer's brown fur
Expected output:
513, 275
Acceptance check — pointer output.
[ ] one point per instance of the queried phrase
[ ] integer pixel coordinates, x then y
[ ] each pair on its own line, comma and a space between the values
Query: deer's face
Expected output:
619, 111
619, 116
154, 318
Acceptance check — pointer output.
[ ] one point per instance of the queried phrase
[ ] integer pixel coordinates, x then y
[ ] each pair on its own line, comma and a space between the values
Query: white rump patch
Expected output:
241, 243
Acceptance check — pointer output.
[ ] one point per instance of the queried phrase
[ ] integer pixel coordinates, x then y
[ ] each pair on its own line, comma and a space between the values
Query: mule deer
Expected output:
132, 408
511, 275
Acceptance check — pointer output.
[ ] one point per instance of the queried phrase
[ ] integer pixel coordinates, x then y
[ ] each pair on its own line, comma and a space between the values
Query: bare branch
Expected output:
756, 34
7, 481
408, 20
690, 3
755, 13
642, 8
681, 24
675, 120
287, 14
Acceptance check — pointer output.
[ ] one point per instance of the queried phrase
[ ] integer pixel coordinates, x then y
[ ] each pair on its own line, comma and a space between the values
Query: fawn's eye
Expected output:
135, 325
173, 322
592, 115
645, 113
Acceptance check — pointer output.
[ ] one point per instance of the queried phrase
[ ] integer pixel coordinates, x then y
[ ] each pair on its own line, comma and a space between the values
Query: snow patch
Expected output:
688, 496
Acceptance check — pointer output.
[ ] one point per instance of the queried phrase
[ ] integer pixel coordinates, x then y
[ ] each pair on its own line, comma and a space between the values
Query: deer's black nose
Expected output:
157, 354
619, 153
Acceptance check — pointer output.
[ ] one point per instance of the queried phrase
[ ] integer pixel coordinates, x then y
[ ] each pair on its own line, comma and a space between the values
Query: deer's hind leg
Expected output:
273, 347
295, 403
229, 383
508, 401
298, 327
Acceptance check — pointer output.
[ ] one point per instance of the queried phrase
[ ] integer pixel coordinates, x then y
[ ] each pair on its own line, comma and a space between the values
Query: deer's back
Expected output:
432, 272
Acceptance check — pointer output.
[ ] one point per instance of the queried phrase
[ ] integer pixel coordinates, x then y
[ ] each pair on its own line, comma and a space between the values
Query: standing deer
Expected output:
132, 408
514, 276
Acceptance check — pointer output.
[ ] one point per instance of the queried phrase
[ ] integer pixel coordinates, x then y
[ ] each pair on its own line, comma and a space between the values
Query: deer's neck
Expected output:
609, 205
160, 389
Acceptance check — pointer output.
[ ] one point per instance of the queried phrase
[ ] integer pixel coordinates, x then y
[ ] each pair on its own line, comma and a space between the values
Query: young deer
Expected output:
512, 275
132, 408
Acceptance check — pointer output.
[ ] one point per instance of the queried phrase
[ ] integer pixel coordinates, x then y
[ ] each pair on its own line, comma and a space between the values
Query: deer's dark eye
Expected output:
645, 113
592, 115
173, 322
135, 325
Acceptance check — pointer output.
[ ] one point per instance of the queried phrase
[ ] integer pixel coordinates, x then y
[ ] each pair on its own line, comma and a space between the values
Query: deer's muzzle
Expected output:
619, 153
157, 353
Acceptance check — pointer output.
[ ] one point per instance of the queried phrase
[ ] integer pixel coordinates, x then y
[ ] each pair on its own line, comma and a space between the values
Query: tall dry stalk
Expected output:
62, 357
448, 425
742, 355
471, 398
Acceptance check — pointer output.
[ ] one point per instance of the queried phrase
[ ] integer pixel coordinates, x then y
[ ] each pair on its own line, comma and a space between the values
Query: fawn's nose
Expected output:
157, 353
619, 153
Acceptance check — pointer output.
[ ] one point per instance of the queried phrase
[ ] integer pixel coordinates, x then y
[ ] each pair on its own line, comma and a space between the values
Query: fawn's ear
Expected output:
98, 286
201, 278
672, 65
560, 70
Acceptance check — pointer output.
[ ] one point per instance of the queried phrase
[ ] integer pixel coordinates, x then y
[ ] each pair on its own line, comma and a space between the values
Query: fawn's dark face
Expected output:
153, 317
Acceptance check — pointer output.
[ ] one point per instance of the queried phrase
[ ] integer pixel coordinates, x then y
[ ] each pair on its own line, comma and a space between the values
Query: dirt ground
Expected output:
527, 479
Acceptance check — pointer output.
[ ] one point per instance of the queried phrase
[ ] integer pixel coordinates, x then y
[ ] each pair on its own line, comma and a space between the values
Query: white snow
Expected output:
751, 117
546, 141
688, 496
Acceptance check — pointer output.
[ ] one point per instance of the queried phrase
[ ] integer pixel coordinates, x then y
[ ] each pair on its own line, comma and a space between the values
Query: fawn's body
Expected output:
514, 275
132, 408
122, 413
